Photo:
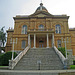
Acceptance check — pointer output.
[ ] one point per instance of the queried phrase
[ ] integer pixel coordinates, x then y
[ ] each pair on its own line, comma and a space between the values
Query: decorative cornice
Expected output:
54, 17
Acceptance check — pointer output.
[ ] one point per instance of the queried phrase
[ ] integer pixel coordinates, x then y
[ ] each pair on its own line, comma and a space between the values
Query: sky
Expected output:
11, 8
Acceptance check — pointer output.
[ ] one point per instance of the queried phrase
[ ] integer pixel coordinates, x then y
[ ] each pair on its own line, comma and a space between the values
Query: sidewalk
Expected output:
37, 72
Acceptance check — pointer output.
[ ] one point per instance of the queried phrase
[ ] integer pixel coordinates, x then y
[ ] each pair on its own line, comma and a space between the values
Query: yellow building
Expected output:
41, 29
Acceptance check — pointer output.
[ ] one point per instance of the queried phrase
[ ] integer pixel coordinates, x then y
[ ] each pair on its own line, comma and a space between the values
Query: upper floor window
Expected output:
41, 27
24, 29
58, 29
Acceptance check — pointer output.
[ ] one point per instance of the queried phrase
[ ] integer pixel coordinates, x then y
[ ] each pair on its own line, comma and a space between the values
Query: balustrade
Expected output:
41, 29
62, 58
12, 63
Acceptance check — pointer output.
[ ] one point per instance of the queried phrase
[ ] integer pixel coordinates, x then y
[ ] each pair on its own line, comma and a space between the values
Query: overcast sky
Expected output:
11, 8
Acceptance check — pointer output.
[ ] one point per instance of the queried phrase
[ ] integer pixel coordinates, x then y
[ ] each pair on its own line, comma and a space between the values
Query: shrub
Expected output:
73, 62
0, 57
3, 48
6, 57
1, 54
72, 66
62, 50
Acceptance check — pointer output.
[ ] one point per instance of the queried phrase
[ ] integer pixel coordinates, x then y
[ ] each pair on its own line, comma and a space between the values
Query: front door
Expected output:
41, 43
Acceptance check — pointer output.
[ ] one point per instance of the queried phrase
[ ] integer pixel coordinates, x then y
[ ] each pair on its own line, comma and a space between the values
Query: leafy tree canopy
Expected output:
2, 36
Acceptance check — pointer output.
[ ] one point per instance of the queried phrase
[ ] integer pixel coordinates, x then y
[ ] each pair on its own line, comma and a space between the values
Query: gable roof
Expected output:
40, 12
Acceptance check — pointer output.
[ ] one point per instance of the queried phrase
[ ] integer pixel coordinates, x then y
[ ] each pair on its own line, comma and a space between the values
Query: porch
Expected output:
41, 40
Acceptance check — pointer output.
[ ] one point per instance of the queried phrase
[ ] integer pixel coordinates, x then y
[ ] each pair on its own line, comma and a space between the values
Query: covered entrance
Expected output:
41, 43
41, 40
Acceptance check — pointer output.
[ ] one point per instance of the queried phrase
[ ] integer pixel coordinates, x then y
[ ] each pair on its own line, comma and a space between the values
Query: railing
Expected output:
41, 29
62, 58
12, 63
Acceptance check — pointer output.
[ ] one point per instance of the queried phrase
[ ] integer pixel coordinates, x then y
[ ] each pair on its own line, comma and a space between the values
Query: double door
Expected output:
41, 45
41, 42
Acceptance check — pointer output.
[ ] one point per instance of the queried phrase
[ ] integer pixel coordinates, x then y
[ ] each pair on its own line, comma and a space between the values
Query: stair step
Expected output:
48, 57
37, 72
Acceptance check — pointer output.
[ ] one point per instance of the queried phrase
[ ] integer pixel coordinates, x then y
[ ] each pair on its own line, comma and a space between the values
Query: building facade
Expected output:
41, 29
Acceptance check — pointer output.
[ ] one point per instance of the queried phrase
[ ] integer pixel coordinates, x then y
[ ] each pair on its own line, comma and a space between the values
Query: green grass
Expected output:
3, 66
72, 66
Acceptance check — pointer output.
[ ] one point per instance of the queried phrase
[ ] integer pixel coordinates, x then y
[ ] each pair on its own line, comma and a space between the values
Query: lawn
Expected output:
3, 66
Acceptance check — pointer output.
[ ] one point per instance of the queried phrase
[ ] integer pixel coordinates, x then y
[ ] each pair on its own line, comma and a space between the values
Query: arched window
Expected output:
24, 29
41, 27
58, 29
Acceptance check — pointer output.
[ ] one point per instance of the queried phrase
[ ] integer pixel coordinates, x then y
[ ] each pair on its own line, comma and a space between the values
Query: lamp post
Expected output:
13, 42
65, 41
39, 63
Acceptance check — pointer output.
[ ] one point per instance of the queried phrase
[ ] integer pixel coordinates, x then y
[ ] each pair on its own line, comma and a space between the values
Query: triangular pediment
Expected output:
41, 14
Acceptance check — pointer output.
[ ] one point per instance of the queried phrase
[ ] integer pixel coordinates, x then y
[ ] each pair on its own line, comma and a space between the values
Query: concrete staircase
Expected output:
40, 59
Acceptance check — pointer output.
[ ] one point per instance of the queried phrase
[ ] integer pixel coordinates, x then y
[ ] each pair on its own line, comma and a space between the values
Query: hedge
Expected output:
4, 59
73, 62
62, 50
72, 66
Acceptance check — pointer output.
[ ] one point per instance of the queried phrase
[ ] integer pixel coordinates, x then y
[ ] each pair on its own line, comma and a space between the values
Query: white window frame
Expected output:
24, 29
58, 29
41, 27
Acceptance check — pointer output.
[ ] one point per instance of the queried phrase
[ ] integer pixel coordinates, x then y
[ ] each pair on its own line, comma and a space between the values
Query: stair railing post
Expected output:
29, 40
34, 41
39, 63
52, 39
13, 42
11, 62
65, 41
47, 41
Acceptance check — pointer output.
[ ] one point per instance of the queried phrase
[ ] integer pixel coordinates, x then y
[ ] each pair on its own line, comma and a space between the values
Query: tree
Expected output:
0, 45
2, 36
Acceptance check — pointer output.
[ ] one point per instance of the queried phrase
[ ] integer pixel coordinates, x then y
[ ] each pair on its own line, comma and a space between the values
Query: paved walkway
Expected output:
38, 71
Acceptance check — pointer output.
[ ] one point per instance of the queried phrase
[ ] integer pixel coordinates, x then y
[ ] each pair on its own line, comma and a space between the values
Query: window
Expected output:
58, 29
41, 27
24, 29
23, 44
59, 43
